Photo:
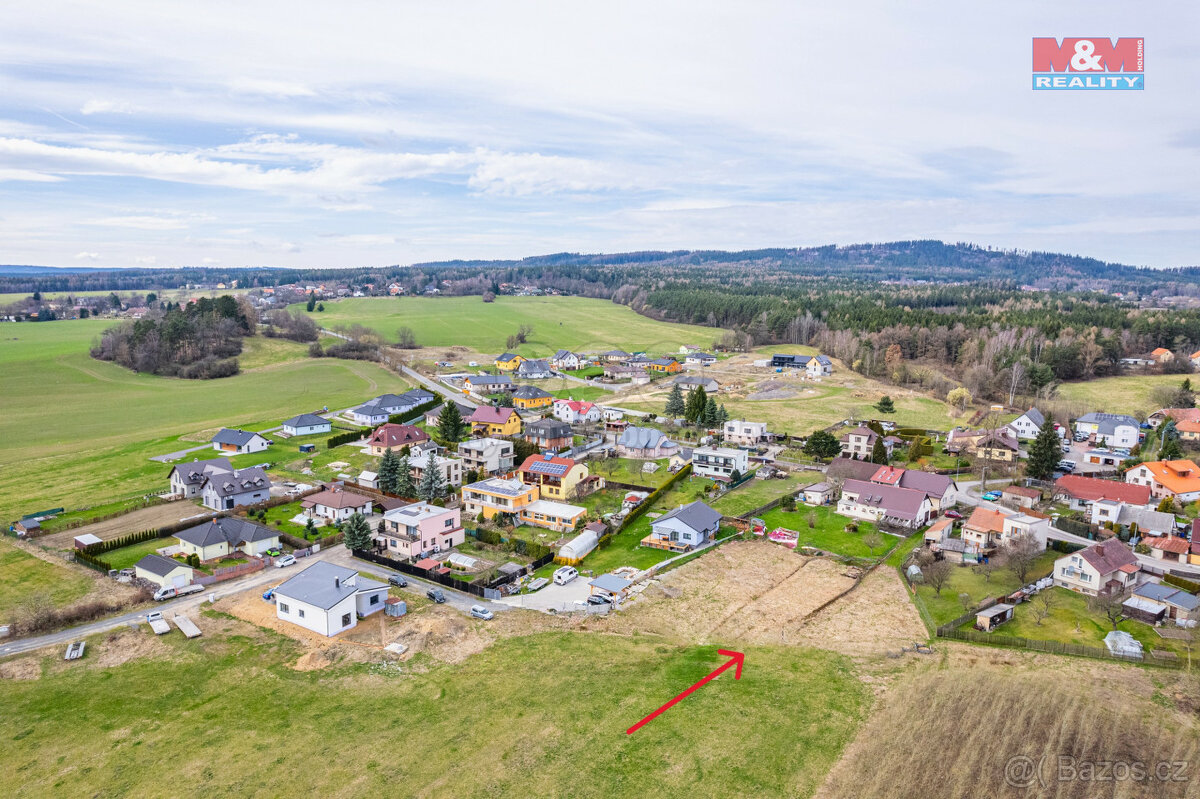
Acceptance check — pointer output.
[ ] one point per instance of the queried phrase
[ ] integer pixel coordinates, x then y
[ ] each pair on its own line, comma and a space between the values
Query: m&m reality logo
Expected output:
1089, 64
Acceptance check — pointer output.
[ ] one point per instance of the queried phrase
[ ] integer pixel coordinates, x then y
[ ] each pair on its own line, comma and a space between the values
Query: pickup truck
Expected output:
170, 591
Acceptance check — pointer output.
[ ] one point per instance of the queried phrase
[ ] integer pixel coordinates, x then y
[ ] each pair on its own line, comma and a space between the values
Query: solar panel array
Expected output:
549, 467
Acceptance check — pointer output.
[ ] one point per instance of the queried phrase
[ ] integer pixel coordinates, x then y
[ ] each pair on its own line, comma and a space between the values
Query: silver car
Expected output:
480, 612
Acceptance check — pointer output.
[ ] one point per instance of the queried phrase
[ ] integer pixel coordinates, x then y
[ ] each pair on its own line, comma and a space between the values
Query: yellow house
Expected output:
488, 420
163, 572
527, 397
491, 497
666, 365
508, 362
557, 478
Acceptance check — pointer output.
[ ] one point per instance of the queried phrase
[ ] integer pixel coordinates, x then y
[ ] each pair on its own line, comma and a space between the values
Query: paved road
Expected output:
589, 382
183, 453
449, 393
459, 600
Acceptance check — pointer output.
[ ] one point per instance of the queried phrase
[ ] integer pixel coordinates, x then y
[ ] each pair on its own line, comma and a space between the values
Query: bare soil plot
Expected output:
874, 618
132, 522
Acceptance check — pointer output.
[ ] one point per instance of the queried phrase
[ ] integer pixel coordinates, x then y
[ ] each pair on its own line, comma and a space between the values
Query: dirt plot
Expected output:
874, 618
132, 522
114, 649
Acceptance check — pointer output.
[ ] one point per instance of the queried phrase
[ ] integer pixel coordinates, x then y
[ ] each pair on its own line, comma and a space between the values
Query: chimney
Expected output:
337, 582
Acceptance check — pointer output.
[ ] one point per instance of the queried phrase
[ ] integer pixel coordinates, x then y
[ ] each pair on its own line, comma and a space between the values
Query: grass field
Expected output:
829, 533
627, 470
79, 432
573, 323
22, 575
965, 580
1123, 394
542, 715
625, 549
756, 493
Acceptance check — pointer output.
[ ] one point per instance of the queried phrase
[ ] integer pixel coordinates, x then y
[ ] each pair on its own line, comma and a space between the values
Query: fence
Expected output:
649, 501
229, 572
433, 577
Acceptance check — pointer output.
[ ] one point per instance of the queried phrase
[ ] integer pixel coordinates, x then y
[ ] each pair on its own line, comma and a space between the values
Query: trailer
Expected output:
75, 650
158, 623
188, 626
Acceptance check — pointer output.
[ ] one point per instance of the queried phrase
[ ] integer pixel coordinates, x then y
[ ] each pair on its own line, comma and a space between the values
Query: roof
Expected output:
551, 508
1178, 477
888, 475
848, 468
87, 539
396, 435
489, 414
489, 380
227, 484
416, 512
818, 487
995, 610
230, 529
611, 583
305, 420
1157, 351
1023, 491
986, 520
197, 472
539, 365
485, 446
558, 356
695, 380
1166, 593
531, 392
498, 485
548, 428
577, 405
695, 515
336, 499
409, 399
1109, 556
1168, 543
643, 438
508, 356
1093, 488
547, 464
1107, 423
322, 584
158, 565
1181, 414
1035, 416
664, 361
903, 503
238, 438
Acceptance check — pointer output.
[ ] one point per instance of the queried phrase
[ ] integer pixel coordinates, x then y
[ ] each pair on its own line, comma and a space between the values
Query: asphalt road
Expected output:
456, 599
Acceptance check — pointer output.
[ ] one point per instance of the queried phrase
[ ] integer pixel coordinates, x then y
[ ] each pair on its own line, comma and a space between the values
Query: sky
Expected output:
306, 134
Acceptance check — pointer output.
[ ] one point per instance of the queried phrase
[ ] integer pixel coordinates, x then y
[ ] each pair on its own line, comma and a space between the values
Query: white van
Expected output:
170, 591
565, 575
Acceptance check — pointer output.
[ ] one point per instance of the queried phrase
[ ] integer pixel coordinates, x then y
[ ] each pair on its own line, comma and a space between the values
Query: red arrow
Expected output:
735, 658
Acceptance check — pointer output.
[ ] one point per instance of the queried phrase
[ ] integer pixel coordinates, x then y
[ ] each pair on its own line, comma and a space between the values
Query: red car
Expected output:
953, 514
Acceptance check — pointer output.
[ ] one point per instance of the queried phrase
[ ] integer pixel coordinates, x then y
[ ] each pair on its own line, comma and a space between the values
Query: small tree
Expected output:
988, 567
1109, 606
406, 339
964, 599
822, 444
310, 528
1020, 552
358, 532
879, 451
389, 472
675, 404
959, 398
1166, 505
811, 519
722, 415
1044, 453
1043, 604
735, 476
1171, 450
937, 574
433, 483
404, 481
873, 541
450, 422
312, 302
885, 405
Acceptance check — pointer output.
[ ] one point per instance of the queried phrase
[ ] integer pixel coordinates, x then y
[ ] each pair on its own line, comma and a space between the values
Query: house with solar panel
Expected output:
813, 365
555, 477
494, 496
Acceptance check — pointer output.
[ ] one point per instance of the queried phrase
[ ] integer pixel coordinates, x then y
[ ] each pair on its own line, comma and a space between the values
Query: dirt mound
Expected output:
773, 394
443, 634
26, 668
319, 659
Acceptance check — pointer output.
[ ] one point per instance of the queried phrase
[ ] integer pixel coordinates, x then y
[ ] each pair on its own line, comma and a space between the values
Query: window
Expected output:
374, 599
449, 523
300, 612
345, 619
283, 608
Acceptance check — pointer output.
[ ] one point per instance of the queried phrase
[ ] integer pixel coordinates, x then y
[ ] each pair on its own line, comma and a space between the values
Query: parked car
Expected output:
992, 496
398, 580
565, 574
480, 612
170, 591
1122, 451
269, 595
599, 599
1081, 436
436, 595
273, 552
286, 560
1067, 466
952, 514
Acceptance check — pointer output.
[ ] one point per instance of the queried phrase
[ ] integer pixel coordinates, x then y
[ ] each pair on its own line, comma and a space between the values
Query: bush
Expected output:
1179, 582
604, 541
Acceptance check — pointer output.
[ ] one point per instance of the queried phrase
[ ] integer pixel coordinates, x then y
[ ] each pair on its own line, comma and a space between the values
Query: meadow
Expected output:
1123, 394
22, 575
574, 323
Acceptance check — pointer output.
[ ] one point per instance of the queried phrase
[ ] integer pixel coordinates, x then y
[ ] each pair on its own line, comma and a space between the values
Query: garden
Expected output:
820, 527
754, 494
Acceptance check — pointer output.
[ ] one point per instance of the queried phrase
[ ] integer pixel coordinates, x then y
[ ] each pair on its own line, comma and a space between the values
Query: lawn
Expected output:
830, 531
776, 732
279, 518
966, 580
79, 432
586, 372
756, 493
628, 470
574, 323
625, 548
582, 393
22, 575
1122, 394
125, 557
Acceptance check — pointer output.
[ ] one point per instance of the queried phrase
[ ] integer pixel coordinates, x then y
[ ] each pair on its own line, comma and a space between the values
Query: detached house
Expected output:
487, 456
556, 516
219, 538
1027, 426
564, 360
239, 442
577, 412
719, 463
394, 437
1112, 429
487, 420
746, 434
1178, 414
699, 359
688, 382
337, 504
890, 505
163, 572
488, 384
534, 370
508, 362
939, 488
229, 490
549, 434
530, 397
420, 530
385, 406
1162, 355
451, 468
646, 443
187, 479
1178, 479
307, 424
684, 528
813, 365
491, 497
328, 599
556, 478
1080, 492
667, 366
615, 356
860, 441
1105, 568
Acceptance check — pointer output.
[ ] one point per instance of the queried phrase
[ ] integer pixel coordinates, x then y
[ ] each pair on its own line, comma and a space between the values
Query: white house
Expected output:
742, 433
187, 479
229, 490
1109, 567
1027, 425
889, 504
564, 359
451, 468
163, 572
700, 359
687, 526
379, 410
719, 462
328, 599
487, 456
337, 504
1111, 429
239, 442
1149, 522
223, 536
307, 424
576, 412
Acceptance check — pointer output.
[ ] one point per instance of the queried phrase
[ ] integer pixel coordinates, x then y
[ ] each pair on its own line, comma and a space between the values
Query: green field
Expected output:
22, 575
1123, 394
573, 323
756, 493
966, 580
829, 532
625, 548
542, 715
79, 432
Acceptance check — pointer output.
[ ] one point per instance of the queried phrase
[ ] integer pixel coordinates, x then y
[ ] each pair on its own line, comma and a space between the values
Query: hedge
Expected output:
127, 540
1179, 582
1065, 547
649, 501
344, 438
91, 561
398, 418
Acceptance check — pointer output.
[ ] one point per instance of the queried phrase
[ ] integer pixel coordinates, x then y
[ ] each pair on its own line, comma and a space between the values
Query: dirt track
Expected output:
132, 522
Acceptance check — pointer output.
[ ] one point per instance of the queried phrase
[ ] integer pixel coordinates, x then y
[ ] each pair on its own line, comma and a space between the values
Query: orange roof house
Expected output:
1162, 355
1179, 478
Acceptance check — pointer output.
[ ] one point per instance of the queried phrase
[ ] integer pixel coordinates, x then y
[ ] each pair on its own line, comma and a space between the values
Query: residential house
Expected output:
1188, 431
336, 504
564, 360
1161, 355
530, 397
699, 359
556, 516
379, 410
615, 371
860, 441
1112, 429
451, 468
487, 456
1027, 426
434, 415
222, 537
488, 420
495, 495
229, 490
688, 382
307, 424
615, 356
577, 412
394, 437
239, 442
1179, 479
1174, 602
328, 599
983, 530
719, 463
667, 366
639, 360
1168, 547
941, 489
508, 362
419, 530
187, 479
488, 384
1108, 567
1140, 520
888, 504
549, 434
531, 369
813, 365
1103, 457
1178, 414
163, 572
1020, 496
819, 494
1080, 492
684, 528
745, 434
645, 443
556, 478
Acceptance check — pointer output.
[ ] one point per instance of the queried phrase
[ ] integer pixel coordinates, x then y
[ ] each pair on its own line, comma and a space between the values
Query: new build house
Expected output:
487, 420
379, 410
684, 528
556, 478
577, 412
222, 537
719, 463
395, 437
1027, 426
328, 599
742, 433
813, 365
239, 442
229, 490
493, 496
187, 479
163, 572
451, 468
337, 504
307, 424
645, 443
487, 456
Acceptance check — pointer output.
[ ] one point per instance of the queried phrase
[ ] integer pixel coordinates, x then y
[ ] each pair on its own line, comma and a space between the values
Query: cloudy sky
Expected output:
344, 134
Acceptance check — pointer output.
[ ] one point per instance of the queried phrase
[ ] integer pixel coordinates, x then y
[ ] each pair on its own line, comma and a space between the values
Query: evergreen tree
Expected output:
1171, 450
320, 306
312, 302
310, 527
1167, 505
722, 414
710, 413
1044, 453
822, 444
885, 405
389, 472
697, 401
675, 404
879, 451
404, 481
450, 422
358, 532
433, 484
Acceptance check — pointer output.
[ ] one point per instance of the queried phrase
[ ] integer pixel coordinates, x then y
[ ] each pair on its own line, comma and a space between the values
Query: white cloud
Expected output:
145, 260
106, 107
140, 222
87, 256
269, 88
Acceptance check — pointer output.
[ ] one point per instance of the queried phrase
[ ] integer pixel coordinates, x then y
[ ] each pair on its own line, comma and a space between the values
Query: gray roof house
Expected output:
239, 441
534, 369
328, 599
158, 565
307, 424
645, 442
1178, 603
228, 490
187, 479
378, 410
691, 381
687, 526
219, 537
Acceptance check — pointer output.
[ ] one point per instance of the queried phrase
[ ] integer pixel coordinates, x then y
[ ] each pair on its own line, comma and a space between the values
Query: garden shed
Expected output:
993, 617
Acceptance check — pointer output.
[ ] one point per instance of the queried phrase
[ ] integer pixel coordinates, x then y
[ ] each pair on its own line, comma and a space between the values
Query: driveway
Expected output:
183, 453
553, 597
459, 600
